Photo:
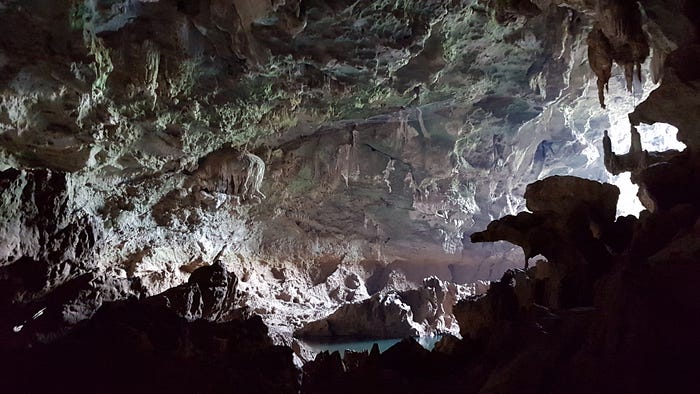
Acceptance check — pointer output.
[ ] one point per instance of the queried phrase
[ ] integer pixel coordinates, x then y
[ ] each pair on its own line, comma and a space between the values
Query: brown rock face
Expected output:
676, 100
569, 224
566, 196
600, 57
617, 36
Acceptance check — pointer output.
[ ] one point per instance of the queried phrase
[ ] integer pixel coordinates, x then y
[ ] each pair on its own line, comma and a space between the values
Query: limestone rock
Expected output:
617, 36
478, 318
209, 294
570, 225
566, 209
323, 371
315, 138
375, 134
600, 58
565, 195
393, 314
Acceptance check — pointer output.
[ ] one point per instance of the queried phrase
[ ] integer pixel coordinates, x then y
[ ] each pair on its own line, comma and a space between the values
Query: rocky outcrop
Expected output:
323, 371
636, 160
374, 371
48, 279
569, 225
393, 314
38, 223
596, 338
634, 334
147, 346
656, 191
298, 137
382, 316
210, 294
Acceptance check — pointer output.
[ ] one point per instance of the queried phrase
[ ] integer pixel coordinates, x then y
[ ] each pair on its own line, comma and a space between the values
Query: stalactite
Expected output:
617, 36
600, 59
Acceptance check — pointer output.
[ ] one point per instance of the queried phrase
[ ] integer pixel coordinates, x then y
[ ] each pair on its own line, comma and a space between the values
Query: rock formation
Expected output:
536, 330
426, 310
569, 224
210, 294
168, 342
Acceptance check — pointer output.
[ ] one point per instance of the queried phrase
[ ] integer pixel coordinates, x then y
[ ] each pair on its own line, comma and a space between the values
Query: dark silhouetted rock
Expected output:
137, 346
209, 294
323, 372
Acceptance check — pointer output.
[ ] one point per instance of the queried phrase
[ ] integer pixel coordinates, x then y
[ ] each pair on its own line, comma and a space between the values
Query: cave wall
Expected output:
327, 152
388, 132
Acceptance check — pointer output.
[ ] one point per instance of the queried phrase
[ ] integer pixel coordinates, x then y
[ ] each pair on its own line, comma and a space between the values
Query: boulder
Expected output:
567, 195
381, 316
209, 294
394, 314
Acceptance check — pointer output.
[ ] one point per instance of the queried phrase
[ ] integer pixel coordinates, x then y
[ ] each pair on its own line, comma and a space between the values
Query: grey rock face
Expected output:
335, 153
394, 314
38, 221
47, 270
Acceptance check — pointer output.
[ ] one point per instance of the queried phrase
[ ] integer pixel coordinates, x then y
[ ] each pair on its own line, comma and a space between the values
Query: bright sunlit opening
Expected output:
658, 137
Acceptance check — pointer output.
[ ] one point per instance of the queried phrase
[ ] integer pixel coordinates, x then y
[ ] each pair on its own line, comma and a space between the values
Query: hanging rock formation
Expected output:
568, 225
617, 36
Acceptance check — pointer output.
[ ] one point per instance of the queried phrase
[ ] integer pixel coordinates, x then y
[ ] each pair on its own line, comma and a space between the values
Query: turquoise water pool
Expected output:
340, 345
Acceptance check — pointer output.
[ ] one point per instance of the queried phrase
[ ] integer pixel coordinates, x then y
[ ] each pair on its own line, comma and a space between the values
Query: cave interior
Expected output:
195, 192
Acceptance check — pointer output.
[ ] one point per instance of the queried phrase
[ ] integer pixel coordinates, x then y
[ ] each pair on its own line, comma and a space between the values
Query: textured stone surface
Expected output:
329, 152
395, 314
210, 294
306, 146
